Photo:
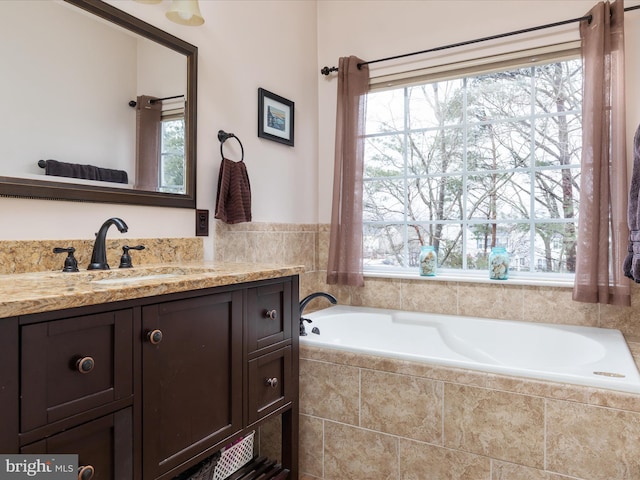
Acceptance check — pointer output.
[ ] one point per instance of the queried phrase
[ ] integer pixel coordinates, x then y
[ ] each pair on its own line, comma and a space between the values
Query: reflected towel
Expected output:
87, 172
233, 204
632, 262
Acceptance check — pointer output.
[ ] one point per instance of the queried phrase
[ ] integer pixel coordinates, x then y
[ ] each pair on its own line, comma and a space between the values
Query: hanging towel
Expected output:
632, 262
87, 172
233, 204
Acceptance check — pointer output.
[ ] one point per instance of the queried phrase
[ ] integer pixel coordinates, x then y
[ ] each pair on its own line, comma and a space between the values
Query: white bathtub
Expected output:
590, 356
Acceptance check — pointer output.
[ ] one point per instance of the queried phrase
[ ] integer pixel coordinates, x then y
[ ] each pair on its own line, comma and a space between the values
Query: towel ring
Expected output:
223, 137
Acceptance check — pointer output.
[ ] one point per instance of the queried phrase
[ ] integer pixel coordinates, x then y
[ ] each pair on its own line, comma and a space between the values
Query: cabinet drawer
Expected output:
72, 365
104, 445
268, 315
269, 383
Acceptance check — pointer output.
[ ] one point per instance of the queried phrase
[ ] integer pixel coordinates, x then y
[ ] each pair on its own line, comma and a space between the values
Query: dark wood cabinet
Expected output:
192, 378
145, 389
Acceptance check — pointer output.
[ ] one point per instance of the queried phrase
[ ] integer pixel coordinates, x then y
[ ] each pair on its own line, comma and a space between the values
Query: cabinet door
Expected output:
104, 446
191, 378
72, 365
268, 315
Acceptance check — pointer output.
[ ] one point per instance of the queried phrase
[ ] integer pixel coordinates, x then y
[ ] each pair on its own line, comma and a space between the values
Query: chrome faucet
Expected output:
304, 303
99, 255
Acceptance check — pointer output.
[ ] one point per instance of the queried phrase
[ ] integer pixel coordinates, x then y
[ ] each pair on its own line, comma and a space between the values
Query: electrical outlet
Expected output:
202, 223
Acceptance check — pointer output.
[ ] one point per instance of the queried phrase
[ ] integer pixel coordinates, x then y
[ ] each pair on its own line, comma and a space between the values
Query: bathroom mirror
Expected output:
74, 74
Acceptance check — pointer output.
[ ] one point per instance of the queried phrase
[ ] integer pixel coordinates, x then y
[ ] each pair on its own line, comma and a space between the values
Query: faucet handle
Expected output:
70, 263
125, 260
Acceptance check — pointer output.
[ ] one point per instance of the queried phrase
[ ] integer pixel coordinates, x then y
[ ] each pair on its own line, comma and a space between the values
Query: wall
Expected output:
242, 46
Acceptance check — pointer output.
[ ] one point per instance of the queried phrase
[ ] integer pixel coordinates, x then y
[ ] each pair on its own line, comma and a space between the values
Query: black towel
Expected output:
233, 204
87, 172
632, 262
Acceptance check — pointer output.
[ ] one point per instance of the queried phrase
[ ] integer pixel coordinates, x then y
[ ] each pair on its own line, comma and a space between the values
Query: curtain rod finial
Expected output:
327, 70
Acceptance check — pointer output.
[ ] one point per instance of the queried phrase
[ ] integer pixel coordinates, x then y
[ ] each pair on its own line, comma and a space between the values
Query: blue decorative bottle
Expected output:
428, 261
498, 264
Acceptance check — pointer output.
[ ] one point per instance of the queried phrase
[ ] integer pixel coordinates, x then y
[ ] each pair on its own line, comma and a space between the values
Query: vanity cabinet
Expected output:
145, 389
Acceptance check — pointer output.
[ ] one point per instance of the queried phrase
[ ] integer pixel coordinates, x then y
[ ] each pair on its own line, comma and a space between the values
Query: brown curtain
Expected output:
148, 117
602, 226
345, 241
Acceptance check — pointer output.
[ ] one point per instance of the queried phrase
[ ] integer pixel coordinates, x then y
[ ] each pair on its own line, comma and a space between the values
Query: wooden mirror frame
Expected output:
27, 188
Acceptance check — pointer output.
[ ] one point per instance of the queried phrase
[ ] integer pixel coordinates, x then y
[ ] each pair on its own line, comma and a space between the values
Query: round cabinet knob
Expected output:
155, 336
271, 314
272, 382
85, 364
86, 472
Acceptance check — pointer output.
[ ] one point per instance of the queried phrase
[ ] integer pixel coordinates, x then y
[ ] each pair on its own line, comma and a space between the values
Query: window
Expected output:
468, 163
172, 157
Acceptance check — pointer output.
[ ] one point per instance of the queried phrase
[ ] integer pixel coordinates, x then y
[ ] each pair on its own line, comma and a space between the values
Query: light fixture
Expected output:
185, 12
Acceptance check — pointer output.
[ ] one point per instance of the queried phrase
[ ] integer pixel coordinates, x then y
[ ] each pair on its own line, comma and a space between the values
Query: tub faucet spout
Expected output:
304, 303
99, 255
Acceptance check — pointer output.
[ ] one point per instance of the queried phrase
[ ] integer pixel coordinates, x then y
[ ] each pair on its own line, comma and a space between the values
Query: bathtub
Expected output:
590, 356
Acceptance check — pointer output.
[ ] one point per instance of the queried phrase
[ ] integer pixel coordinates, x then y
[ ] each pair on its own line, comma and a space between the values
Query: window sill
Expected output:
560, 281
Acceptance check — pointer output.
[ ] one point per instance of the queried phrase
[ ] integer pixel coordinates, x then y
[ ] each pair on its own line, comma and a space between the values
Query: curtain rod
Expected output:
327, 70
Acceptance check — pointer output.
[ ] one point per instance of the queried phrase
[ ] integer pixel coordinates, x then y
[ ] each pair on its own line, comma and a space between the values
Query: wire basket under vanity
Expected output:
234, 457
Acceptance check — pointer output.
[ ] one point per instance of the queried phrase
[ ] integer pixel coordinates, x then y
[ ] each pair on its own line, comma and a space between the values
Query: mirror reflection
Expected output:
92, 103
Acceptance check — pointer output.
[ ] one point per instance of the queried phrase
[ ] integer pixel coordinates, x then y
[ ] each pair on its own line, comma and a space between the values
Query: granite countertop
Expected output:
26, 293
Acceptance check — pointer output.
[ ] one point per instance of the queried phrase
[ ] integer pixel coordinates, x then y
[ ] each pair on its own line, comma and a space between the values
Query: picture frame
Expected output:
275, 117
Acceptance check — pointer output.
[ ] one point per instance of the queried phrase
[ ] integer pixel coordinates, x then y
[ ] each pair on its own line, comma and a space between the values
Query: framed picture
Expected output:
275, 117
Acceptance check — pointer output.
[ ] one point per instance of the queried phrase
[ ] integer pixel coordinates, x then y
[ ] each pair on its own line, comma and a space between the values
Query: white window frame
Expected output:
544, 55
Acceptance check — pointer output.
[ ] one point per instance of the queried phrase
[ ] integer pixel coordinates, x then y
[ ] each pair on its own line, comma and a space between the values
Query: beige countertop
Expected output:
26, 293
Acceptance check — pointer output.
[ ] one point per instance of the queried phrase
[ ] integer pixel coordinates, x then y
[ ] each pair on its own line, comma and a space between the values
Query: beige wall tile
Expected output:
421, 461
379, 293
311, 445
330, 391
298, 248
429, 296
510, 471
498, 301
502, 425
594, 443
358, 454
402, 405
270, 439
554, 305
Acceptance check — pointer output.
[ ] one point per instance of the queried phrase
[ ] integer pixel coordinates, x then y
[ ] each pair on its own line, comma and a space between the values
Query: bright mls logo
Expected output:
49, 467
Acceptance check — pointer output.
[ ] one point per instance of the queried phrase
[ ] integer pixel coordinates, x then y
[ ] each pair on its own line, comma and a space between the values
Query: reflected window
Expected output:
172, 155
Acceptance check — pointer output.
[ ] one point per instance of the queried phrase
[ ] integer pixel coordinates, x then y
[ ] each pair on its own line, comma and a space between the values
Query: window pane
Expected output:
434, 198
503, 196
497, 146
555, 247
435, 104
499, 95
383, 200
559, 87
436, 151
558, 193
384, 245
383, 156
558, 140
385, 111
